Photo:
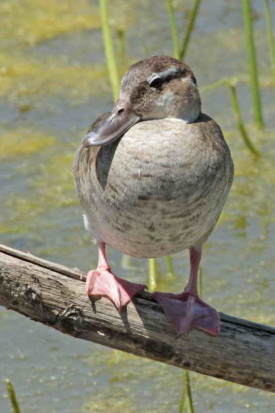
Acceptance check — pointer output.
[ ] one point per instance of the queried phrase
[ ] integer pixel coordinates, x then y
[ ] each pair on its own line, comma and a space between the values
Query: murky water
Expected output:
53, 84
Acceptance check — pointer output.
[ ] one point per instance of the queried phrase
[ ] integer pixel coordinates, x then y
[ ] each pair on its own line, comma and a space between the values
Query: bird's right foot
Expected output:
103, 283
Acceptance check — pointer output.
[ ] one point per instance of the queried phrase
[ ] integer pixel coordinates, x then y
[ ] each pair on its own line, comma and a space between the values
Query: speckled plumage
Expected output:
159, 189
153, 176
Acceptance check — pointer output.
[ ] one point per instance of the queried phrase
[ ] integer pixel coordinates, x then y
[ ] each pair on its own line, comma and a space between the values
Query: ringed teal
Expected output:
153, 176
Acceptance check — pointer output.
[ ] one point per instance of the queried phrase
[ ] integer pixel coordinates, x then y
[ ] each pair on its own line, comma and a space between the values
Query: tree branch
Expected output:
55, 295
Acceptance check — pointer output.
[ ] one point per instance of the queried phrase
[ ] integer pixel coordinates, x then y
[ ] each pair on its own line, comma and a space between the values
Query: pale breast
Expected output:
158, 190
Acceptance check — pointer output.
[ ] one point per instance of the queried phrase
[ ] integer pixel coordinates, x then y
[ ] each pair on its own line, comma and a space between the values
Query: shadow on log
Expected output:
55, 295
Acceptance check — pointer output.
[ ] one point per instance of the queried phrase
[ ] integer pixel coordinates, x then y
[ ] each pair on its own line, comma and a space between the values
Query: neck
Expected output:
191, 113
191, 102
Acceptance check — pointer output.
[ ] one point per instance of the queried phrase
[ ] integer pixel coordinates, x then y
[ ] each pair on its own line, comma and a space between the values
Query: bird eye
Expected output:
156, 83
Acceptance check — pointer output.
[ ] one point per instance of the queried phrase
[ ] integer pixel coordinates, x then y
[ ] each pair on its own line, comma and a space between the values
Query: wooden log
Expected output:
55, 296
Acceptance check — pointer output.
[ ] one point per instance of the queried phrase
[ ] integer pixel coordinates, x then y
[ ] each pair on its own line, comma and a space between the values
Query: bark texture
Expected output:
55, 296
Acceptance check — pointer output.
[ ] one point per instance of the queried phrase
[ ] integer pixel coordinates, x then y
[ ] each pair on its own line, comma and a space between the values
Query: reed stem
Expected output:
254, 81
183, 396
270, 36
240, 124
173, 27
12, 396
109, 48
189, 28
121, 49
126, 262
212, 86
186, 395
190, 407
152, 279
170, 266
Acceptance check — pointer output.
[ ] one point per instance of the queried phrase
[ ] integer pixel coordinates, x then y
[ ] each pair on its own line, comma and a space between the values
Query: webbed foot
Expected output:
186, 311
103, 283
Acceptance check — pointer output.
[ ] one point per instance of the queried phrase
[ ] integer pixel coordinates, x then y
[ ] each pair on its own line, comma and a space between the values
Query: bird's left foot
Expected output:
186, 311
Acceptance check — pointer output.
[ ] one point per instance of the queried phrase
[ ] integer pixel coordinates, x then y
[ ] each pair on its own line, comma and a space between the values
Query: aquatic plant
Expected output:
231, 84
186, 396
31, 142
36, 22
121, 49
152, 274
252, 62
179, 53
170, 266
237, 112
270, 37
12, 396
109, 48
173, 27
189, 28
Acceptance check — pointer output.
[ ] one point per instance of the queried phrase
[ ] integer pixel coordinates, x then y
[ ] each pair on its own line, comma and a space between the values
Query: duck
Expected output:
153, 176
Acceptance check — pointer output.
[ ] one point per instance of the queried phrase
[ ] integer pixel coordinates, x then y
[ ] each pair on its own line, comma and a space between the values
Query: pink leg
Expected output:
187, 310
103, 283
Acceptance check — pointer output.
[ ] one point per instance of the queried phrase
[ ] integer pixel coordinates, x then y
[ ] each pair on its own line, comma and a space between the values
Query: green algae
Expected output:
50, 188
30, 22
55, 187
23, 77
49, 183
130, 378
113, 403
25, 23
22, 142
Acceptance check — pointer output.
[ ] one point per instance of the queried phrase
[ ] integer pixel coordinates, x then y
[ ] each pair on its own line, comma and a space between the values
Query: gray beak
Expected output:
110, 127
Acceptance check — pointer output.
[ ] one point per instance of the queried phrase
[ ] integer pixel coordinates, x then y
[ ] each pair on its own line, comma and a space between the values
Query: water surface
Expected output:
53, 84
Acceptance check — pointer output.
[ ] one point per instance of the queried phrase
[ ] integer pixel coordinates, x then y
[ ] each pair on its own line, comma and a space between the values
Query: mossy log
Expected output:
55, 296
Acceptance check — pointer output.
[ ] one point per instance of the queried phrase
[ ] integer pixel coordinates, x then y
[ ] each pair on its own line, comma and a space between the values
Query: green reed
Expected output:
183, 396
186, 396
212, 86
109, 48
173, 27
189, 28
179, 53
121, 48
253, 70
170, 266
190, 407
12, 396
237, 112
270, 37
152, 274
230, 83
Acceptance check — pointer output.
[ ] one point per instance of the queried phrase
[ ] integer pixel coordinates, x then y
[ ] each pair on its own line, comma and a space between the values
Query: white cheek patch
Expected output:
165, 100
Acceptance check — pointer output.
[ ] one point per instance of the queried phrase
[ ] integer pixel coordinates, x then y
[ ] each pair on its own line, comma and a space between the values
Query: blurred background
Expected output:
53, 83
